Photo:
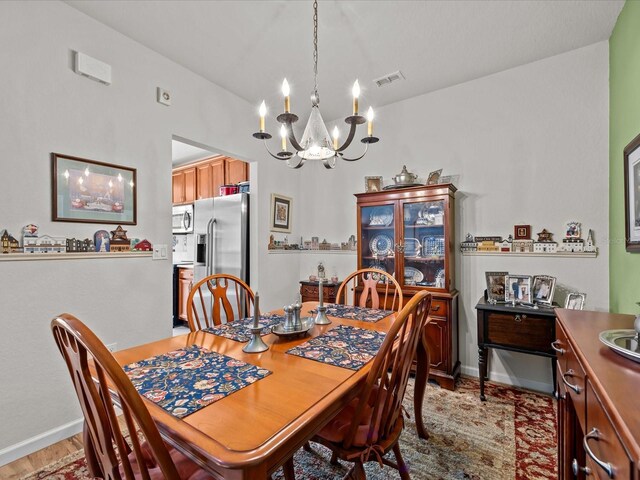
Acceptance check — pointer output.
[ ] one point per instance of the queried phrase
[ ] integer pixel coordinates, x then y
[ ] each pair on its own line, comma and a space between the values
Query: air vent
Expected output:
389, 78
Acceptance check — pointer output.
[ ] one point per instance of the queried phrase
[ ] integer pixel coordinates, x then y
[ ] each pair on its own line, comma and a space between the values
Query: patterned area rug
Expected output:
510, 436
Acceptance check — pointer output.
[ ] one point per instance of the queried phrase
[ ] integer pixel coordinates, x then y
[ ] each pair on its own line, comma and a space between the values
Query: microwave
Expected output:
182, 219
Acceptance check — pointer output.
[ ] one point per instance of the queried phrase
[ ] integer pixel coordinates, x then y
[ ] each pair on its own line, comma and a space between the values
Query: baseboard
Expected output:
33, 444
542, 387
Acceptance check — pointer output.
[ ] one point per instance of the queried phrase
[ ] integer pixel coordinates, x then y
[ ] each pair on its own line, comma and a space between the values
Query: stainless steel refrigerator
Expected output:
221, 228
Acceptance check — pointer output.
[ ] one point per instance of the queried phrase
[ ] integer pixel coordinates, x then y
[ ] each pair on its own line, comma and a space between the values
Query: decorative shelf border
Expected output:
531, 254
314, 252
19, 257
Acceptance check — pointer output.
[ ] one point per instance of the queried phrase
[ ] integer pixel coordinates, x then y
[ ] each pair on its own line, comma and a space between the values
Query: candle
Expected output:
356, 93
283, 135
263, 112
370, 125
256, 310
320, 292
336, 134
285, 92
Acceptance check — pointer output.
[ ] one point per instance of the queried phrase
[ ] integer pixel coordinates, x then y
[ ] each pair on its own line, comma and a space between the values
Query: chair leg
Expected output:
307, 447
95, 471
289, 473
334, 459
357, 472
402, 467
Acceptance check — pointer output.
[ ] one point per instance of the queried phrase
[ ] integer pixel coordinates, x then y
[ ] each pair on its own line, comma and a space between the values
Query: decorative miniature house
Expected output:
119, 241
589, 245
545, 243
44, 244
523, 246
469, 245
143, 246
507, 244
8, 244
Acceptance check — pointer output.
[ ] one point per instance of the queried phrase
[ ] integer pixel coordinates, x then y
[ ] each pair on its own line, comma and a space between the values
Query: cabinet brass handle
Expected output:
595, 435
576, 468
400, 248
558, 396
435, 308
570, 373
558, 349
519, 318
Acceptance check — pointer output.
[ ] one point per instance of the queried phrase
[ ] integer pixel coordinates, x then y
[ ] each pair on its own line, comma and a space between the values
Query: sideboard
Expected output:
598, 395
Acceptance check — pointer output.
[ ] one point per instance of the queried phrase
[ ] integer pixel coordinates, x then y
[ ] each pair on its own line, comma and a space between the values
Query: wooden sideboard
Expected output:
598, 400
310, 291
515, 328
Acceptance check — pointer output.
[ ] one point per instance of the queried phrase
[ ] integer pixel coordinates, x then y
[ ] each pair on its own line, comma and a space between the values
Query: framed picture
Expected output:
522, 232
632, 195
518, 289
280, 213
372, 184
575, 301
496, 286
434, 177
88, 191
543, 287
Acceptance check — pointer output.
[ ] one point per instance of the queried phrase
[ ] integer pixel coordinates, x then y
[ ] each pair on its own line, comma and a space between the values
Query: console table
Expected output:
598, 392
518, 329
310, 291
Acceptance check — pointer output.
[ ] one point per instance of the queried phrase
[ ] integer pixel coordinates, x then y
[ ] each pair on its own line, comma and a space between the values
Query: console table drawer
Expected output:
603, 442
521, 331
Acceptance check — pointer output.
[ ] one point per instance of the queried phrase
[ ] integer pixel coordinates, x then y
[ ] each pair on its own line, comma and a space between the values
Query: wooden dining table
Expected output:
251, 432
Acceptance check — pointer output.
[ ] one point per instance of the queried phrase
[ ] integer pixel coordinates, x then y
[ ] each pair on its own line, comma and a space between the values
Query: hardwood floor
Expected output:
32, 463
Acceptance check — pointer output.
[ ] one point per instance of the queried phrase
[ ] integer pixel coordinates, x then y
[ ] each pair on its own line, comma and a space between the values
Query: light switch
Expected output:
160, 252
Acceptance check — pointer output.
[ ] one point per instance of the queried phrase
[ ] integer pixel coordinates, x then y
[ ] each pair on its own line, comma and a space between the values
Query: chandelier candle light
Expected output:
316, 144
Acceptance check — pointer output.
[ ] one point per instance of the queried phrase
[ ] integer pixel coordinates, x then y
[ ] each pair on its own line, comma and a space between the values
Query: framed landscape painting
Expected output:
632, 195
88, 191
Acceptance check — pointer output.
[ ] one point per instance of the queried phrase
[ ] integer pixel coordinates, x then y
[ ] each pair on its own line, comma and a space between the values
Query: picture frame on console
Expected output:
631, 157
372, 184
575, 301
88, 191
542, 289
496, 286
434, 177
518, 289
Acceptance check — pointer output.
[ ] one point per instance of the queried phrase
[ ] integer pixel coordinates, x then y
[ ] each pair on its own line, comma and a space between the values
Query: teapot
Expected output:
405, 177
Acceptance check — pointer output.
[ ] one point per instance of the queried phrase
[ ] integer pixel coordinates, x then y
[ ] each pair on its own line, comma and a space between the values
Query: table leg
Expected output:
422, 375
482, 367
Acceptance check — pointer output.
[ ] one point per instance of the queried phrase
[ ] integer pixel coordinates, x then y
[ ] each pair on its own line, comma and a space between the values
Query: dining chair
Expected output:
216, 298
112, 452
370, 425
379, 290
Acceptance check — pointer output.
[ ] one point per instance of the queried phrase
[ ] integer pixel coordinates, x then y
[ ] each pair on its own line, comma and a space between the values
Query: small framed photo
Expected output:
280, 213
543, 287
575, 301
518, 289
372, 184
496, 286
522, 232
632, 195
434, 177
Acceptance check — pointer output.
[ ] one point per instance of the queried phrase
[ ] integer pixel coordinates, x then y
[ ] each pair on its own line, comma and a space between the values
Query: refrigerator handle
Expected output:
207, 254
212, 258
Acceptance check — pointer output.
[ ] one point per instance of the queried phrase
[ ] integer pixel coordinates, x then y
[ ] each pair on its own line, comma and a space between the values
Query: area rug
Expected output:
511, 436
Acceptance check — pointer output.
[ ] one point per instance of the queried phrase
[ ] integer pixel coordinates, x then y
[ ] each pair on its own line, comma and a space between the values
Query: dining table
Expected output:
251, 432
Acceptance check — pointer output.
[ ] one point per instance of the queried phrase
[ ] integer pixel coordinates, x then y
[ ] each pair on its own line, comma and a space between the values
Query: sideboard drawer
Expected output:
522, 331
603, 442
439, 308
572, 376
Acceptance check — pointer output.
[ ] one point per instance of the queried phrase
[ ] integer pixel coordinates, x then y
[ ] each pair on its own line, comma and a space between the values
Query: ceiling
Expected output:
183, 153
248, 46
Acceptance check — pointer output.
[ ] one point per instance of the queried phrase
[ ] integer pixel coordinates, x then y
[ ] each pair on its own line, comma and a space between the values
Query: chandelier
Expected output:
316, 144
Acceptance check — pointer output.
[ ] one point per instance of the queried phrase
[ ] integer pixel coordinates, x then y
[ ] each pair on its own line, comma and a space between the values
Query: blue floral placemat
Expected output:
186, 380
350, 312
344, 346
238, 330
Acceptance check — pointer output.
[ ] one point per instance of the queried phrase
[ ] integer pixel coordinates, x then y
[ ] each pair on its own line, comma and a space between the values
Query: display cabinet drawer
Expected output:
606, 455
521, 331
439, 308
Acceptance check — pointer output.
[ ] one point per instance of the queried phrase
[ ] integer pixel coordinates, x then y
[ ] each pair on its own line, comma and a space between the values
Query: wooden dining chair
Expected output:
130, 449
216, 298
370, 426
379, 289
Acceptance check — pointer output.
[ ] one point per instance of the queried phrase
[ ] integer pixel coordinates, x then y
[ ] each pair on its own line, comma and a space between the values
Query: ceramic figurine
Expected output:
119, 241
101, 241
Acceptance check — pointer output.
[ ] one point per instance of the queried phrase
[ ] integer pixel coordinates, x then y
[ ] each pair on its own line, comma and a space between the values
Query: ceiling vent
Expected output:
389, 78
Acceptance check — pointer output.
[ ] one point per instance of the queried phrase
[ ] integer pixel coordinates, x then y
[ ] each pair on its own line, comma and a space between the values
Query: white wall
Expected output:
48, 108
529, 146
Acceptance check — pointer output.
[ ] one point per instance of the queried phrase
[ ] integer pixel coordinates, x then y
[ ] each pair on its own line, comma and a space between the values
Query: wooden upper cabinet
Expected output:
204, 179
236, 171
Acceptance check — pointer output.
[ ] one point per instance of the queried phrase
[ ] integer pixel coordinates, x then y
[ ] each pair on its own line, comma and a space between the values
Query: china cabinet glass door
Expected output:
423, 230
377, 239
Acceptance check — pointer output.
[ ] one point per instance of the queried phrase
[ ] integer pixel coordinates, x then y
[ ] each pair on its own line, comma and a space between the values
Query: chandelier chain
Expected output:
315, 48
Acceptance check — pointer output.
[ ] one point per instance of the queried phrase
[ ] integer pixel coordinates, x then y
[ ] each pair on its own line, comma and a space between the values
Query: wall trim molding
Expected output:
542, 387
45, 439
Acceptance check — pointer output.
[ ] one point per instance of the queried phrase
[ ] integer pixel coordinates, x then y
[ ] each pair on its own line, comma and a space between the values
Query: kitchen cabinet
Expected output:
185, 282
203, 179
597, 390
184, 185
409, 232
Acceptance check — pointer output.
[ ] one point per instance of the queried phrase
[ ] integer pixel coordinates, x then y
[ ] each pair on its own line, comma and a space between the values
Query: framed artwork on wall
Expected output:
280, 213
88, 191
632, 195
372, 184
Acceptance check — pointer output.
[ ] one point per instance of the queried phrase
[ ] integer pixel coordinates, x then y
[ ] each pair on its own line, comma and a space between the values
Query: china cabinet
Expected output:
410, 232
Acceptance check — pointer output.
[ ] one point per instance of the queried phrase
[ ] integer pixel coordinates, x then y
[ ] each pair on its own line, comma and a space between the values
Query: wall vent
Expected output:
389, 78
